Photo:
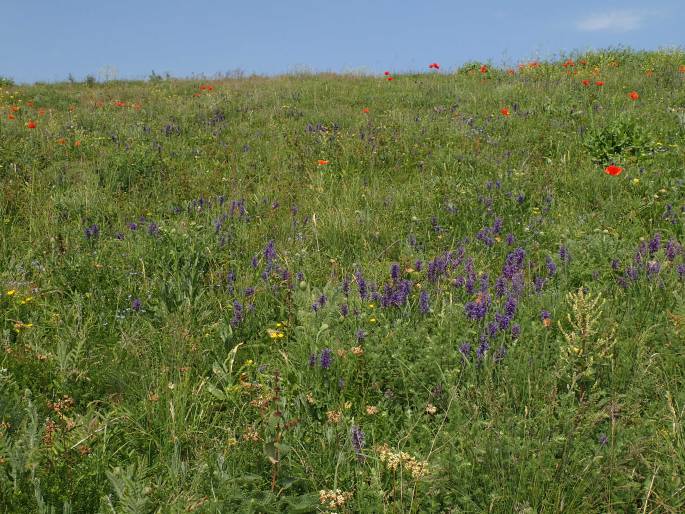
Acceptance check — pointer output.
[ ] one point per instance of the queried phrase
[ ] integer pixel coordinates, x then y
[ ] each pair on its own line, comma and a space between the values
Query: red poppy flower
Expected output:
390, 78
196, 94
15, 108
10, 116
323, 162
386, 73
533, 64
77, 143
569, 63
365, 110
586, 82
30, 104
434, 65
599, 83
120, 103
41, 112
31, 124
483, 69
681, 68
613, 170
505, 111
633, 95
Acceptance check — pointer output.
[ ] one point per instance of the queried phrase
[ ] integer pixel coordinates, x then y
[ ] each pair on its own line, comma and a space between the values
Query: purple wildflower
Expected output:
249, 291
497, 226
551, 266
255, 261
136, 304
346, 287
564, 256
270, 252
681, 271
515, 331
312, 360
544, 315
344, 310
511, 239
465, 350
237, 313
615, 264
153, 229
538, 284
360, 335
395, 271
133, 226
418, 265
361, 285
92, 232
602, 439
500, 354
424, 305
655, 244
326, 358
482, 349
653, 268
357, 437
672, 249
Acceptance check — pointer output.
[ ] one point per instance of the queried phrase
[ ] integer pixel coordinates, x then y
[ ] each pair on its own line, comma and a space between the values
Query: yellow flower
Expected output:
11, 292
274, 334
26, 300
372, 306
372, 320
636, 181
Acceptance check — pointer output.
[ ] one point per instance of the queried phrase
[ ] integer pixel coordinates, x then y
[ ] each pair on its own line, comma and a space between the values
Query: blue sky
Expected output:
48, 39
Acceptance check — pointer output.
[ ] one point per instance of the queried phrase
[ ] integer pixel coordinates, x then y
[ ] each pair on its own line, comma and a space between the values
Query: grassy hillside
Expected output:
329, 292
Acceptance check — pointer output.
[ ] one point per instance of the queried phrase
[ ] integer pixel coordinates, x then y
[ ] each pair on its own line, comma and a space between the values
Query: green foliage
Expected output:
620, 139
181, 322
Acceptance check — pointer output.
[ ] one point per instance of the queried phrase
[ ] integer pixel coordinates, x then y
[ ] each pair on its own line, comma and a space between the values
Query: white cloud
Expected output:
617, 21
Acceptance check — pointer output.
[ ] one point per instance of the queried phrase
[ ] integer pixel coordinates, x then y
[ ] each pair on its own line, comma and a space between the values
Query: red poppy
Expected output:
61, 141
586, 82
613, 170
434, 65
41, 112
599, 83
15, 108
533, 64
505, 111
390, 78
569, 63
30, 104
483, 69
386, 73
323, 162
365, 110
583, 62
10, 116
119, 103
681, 68
77, 143
633, 95
31, 124
196, 94
511, 72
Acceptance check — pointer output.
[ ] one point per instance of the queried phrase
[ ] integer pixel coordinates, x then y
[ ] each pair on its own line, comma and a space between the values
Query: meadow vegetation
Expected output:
447, 292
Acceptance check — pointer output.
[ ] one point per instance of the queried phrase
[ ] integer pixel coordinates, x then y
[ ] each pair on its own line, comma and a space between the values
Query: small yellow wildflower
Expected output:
372, 320
11, 292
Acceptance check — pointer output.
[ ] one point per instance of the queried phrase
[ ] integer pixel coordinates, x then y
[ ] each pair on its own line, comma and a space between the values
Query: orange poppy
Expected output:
15, 108
505, 111
633, 95
323, 162
61, 141
483, 68
365, 110
681, 68
599, 83
31, 124
613, 170
10, 116
77, 143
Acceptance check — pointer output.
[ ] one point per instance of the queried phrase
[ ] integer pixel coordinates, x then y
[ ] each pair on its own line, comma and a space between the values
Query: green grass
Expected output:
201, 396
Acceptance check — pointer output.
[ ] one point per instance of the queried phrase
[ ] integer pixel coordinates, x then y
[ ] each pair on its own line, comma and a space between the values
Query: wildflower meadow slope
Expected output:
447, 291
